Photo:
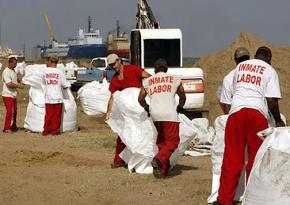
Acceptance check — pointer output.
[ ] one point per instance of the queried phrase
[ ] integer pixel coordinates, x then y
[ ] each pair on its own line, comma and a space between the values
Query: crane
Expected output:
144, 17
50, 32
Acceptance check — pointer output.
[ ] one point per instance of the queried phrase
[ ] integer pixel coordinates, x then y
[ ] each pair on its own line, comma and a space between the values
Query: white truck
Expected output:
148, 45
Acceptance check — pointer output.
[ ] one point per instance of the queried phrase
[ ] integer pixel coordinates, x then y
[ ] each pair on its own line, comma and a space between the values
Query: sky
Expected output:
207, 25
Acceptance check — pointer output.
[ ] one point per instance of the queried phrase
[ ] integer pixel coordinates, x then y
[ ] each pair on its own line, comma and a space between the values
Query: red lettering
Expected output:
262, 70
258, 82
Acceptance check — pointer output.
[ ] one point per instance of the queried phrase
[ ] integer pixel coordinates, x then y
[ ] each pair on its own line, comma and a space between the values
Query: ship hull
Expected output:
87, 51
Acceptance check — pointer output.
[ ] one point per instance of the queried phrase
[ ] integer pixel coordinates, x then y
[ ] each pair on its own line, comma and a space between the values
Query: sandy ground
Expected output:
74, 168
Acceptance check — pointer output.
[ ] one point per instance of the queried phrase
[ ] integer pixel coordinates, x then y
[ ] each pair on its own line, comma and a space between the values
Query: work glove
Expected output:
180, 109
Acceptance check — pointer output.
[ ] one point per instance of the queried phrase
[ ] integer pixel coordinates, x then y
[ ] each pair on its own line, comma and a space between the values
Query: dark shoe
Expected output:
216, 203
156, 164
118, 165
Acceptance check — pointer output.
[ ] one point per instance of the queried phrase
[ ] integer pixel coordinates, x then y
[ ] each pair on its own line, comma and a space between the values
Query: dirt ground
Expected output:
74, 168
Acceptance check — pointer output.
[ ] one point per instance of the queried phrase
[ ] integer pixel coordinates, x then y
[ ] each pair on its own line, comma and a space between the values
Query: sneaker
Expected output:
216, 203
156, 164
118, 165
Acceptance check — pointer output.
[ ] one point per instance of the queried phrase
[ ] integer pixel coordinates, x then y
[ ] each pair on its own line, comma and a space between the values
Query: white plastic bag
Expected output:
94, 97
269, 182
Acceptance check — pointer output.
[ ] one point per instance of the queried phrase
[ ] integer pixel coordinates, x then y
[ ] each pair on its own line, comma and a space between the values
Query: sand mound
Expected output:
217, 65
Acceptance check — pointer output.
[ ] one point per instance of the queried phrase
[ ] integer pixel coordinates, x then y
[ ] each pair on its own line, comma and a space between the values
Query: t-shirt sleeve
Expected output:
6, 77
227, 89
273, 87
112, 86
138, 71
146, 84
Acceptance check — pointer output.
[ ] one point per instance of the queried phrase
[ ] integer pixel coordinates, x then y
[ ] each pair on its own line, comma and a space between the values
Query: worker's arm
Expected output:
142, 101
227, 108
145, 74
273, 106
15, 85
109, 108
182, 98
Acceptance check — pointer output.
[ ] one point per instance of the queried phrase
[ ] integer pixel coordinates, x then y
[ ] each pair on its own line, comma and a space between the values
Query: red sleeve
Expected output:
138, 70
112, 86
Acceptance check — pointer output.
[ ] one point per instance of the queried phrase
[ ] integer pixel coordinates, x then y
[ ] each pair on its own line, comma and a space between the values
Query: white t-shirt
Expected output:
55, 81
9, 76
227, 89
161, 89
254, 81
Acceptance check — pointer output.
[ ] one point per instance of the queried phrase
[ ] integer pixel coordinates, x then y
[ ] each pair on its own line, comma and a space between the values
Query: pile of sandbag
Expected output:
202, 142
35, 113
269, 182
94, 97
137, 131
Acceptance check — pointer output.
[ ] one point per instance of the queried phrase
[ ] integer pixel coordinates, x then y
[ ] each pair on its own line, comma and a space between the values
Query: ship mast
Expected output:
89, 24
118, 29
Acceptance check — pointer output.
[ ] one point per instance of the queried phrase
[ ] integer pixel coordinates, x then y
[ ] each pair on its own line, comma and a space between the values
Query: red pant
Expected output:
52, 120
241, 130
119, 148
167, 142
11, 113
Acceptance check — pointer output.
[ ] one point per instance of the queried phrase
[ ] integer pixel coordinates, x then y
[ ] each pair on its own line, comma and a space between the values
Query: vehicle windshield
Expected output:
169, 49
99, 63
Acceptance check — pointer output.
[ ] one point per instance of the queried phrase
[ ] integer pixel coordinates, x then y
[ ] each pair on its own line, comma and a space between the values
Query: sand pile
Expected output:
217, 65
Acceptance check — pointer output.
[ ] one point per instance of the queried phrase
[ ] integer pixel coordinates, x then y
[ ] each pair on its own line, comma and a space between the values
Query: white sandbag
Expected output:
20, 68
204, 132
269, 182
34, 76
94, 97
136, 129
186, 133
69, 121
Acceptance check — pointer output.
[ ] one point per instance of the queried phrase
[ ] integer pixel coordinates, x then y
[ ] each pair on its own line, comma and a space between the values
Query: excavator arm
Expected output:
144, 17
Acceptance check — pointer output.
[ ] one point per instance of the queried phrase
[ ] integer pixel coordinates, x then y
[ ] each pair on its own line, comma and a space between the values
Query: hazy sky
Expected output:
207, 25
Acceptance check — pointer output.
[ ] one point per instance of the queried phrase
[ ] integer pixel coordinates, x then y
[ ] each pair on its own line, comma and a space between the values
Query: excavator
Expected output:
144, 17
149, 42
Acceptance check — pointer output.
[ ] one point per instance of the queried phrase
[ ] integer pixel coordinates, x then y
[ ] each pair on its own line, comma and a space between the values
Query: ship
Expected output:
118, 44
87, 44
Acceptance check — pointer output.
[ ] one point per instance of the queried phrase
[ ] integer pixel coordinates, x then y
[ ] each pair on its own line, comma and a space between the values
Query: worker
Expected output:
9, 94
162, 88
254, 80
126, 76
55, 81
241, 54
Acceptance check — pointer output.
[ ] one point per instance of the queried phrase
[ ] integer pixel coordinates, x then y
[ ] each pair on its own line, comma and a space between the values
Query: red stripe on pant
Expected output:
11, 113
167, 142
52, 120
241, 130
119, 148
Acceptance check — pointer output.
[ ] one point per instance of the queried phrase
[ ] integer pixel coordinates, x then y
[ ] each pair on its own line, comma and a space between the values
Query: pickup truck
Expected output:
148, 45
97, 72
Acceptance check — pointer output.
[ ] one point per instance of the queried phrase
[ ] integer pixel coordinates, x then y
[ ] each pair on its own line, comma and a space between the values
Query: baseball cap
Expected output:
112, 58
241, 51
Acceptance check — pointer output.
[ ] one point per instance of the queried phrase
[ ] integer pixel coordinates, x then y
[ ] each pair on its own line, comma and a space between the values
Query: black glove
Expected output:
147, 110
180, 110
